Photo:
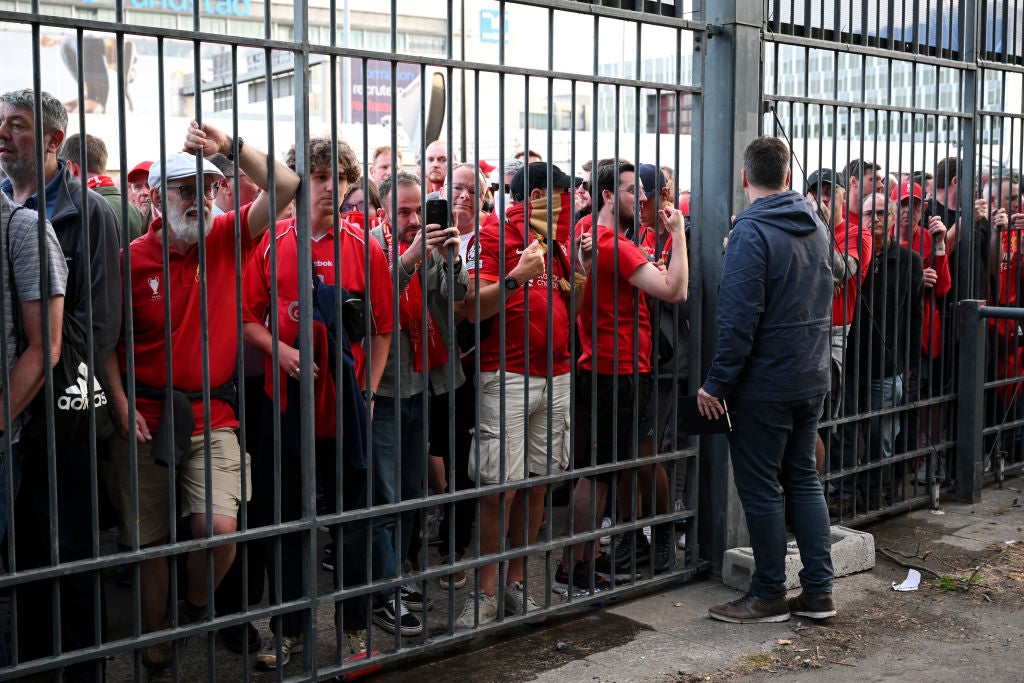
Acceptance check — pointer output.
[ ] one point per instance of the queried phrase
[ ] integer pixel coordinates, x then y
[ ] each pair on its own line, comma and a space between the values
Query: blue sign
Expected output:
233, 8
490, 26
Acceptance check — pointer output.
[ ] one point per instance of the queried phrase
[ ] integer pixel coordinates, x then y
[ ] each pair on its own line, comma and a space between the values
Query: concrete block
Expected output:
852, 551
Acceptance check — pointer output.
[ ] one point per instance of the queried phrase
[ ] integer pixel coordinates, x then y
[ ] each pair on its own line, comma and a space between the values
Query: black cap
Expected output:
539, 179
826, 175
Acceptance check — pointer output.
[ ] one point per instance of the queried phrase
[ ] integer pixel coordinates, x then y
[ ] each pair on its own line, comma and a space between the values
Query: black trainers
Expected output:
327, 563
610, 571
581, 576
235, 637
406, 622
664, 549
580, 582
818, 606
414, 599
751, 609
624, 549
561, 581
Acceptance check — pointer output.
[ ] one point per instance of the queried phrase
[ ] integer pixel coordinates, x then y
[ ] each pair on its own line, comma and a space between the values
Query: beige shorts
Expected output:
526, 435
154, 501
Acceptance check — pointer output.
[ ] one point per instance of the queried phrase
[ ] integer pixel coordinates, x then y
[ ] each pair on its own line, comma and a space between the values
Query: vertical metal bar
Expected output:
736, 106
970, 422
300, 17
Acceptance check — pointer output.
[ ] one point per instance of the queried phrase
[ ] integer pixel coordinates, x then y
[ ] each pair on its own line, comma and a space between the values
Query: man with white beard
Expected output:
184, 213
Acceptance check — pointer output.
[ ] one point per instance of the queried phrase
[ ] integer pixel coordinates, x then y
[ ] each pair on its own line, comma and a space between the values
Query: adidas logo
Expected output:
77, 397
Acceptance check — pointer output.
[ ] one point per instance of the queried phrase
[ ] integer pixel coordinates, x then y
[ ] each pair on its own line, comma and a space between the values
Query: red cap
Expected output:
142, 167
684, 204
486, 167
906, 190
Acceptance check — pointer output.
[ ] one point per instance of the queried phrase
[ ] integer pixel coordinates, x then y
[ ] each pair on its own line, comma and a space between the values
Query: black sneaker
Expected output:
561, 582
818, 606
234, 638
407, 622
610, 571
664, 549
751, 610
327, 563
581, 577
414, 599
624, 550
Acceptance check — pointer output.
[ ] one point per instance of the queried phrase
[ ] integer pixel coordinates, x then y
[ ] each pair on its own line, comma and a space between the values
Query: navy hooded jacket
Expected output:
774, 305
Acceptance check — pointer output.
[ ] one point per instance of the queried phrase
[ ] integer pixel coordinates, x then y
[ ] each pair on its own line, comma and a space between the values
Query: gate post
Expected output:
730, 118
970, 403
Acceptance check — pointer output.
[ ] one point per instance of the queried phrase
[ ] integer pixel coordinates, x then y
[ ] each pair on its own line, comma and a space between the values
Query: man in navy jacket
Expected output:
772, 365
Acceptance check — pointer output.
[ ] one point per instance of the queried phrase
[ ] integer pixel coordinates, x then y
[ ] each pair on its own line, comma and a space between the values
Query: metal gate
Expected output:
116, 566
884, 93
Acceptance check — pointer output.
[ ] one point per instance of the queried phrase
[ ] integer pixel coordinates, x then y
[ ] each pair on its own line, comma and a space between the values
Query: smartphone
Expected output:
438, 213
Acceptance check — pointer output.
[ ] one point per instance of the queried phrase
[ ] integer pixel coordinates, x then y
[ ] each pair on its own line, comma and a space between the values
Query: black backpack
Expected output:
73, 392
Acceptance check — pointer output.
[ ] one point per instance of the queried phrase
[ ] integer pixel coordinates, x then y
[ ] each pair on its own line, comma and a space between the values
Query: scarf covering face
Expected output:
561, 221
410, 312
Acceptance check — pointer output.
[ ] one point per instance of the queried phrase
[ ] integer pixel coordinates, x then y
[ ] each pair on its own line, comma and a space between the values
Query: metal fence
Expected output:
885, 93
116, 567
127, 556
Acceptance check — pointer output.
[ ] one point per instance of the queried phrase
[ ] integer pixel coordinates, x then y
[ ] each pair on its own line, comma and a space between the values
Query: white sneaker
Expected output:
606, 523
488, 610
518, 601
268, 660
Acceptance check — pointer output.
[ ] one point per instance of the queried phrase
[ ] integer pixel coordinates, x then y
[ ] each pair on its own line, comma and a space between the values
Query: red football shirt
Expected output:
849, 242
354, 278
148, 299
649, 243
617, 258
483, 258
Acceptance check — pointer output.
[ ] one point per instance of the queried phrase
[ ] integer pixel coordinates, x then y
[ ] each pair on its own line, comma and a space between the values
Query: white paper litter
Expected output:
910, 583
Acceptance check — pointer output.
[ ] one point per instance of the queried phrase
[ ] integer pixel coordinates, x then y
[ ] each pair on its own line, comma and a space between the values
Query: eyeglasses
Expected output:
188, 192
349, 208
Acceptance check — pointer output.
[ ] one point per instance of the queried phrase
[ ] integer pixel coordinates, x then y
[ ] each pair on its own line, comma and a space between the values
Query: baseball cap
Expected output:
651, 178
826, 175
539, 178
141, 168
180, 165
906, 190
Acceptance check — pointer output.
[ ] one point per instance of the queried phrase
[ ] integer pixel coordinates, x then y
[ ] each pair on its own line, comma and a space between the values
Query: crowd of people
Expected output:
451, 367
490, 332
905, 252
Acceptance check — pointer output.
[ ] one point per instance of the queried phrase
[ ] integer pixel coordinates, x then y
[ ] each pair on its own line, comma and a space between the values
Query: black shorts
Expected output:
616, 418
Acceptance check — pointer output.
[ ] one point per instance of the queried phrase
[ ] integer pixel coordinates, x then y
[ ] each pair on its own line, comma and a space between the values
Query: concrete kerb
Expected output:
852, 551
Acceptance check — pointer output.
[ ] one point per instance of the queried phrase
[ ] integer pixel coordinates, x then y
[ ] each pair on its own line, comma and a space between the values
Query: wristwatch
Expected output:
511, 284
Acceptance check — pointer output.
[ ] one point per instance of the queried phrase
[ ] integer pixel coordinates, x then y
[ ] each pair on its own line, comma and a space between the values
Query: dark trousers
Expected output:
772, 450
82, 613
230, 597
457, 522
286, 483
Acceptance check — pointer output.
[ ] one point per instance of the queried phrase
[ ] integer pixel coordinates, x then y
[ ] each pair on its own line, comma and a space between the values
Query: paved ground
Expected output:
940, 632
933, 634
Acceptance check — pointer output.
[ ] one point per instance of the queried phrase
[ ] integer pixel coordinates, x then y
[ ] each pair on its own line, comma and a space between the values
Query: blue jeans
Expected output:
10, 462
399, 473
772, 450
886, 392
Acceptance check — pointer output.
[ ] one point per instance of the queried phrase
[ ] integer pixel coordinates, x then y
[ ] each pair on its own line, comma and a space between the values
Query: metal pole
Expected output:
346, 72
731, 119
970, 413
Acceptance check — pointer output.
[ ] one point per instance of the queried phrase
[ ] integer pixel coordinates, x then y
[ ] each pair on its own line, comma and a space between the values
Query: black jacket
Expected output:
774, 304
96, 269
886, 328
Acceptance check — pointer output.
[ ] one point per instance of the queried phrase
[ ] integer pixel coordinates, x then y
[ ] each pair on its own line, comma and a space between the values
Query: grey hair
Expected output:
512, 166
55, 116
